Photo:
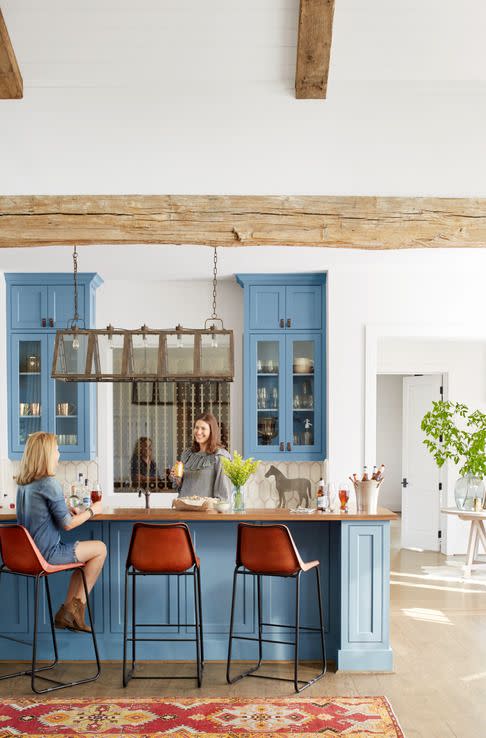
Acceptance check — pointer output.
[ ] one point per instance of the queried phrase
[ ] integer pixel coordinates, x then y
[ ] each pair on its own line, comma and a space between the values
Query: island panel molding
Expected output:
11, 83
372, 223
313, 48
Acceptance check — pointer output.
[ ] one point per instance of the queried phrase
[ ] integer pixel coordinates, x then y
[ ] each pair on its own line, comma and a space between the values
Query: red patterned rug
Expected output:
359, 717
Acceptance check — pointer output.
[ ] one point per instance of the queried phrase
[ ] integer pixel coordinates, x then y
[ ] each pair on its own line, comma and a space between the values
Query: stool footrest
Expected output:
301, 627
165, 625
163, 640
263, 640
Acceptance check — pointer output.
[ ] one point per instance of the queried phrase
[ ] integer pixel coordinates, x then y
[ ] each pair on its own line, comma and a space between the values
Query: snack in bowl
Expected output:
222, 506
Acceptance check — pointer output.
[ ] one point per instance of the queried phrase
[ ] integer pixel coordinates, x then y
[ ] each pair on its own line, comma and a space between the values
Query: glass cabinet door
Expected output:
29, 409
305, 411
67, 399
267, 390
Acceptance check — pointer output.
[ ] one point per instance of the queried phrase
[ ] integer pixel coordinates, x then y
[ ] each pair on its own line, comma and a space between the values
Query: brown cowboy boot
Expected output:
76, 610
63, 618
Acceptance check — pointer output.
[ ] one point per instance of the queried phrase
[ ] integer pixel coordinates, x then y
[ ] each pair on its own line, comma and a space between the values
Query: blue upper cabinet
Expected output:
28, 307
267, 307
284, 366
38, 305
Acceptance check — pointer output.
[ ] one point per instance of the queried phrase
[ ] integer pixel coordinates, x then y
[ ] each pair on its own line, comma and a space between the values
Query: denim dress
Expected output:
42, 509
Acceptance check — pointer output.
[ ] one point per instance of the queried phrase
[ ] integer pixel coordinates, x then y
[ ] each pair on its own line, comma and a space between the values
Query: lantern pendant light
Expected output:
146, 354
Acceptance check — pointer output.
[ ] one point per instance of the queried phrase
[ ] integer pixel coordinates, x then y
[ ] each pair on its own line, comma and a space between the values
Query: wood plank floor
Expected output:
438, 632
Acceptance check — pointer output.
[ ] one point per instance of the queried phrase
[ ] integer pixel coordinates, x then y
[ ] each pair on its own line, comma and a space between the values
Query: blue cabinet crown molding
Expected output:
51, 278
304, 278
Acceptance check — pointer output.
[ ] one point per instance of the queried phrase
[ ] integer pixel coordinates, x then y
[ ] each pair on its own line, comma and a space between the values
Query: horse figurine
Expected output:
283, 485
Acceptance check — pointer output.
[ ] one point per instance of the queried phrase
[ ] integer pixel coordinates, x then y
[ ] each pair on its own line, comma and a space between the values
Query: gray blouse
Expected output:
204, 476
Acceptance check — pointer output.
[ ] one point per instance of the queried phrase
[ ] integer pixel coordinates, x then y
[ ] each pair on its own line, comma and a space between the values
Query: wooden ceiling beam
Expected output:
218, 220
11, 83
314, 48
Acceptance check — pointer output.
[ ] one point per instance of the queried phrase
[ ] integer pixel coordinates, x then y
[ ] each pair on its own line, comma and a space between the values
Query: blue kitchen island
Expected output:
354, 554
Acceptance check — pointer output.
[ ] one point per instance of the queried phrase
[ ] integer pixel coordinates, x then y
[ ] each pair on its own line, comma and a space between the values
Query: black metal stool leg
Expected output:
230, 638
297, 633
197, 630
34, 642
322, 639
321, 625
93, 634
134, 581
125, 676
260, 641
200, 614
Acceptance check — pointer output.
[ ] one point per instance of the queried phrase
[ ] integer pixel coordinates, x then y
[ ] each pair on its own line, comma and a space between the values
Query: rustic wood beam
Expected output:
313, 48
11, 84
219, 220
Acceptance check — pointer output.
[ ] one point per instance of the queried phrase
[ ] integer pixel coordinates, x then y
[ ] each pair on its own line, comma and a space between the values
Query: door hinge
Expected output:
439, 534
404, 482
440, 486
441, 390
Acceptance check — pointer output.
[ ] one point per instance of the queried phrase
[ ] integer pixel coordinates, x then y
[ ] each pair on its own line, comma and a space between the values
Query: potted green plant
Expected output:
239, 470
456, 434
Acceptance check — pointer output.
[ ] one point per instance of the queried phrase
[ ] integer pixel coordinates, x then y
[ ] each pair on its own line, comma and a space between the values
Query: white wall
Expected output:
463, 364
389, 437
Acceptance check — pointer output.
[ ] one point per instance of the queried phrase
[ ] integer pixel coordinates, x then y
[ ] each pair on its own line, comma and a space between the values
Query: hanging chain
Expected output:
215, 275
75, 277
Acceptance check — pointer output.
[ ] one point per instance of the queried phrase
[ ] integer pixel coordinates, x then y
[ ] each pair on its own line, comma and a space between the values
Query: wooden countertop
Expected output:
260, 514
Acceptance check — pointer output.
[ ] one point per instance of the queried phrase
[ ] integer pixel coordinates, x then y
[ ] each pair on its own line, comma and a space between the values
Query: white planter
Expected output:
367, 496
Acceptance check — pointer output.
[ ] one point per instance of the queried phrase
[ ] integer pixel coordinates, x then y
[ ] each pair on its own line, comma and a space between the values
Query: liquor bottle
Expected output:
320, 496
365, 477
74, 500
373, 476
380, 473
86, 494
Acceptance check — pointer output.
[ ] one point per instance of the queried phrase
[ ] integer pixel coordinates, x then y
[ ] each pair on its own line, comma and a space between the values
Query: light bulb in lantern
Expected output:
179, 341
75, 343
214, 341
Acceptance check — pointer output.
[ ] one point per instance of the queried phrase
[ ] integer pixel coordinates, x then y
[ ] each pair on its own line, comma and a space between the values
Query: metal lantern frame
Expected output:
93, 365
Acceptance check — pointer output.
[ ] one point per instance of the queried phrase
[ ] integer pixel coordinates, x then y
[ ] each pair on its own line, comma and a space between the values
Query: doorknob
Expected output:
289, 323
404, 482
282, 448
282, 323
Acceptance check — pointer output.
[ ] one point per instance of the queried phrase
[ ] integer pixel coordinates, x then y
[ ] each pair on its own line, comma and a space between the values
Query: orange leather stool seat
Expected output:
270, 550
154, 550
21, 557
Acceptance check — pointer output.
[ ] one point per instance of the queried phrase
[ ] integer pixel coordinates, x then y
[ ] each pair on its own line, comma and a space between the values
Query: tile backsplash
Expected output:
261, 491
67, 473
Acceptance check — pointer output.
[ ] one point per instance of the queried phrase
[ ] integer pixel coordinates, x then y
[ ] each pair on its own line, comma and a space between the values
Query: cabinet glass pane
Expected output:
67, 407
303, 392
267, 399
30, 407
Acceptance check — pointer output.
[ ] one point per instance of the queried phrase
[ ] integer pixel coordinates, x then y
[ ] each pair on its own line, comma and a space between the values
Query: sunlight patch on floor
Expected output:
442, 574
426, 615
437, 587
473, 677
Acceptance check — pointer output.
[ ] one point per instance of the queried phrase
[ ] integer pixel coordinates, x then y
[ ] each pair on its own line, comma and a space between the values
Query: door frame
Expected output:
433, 331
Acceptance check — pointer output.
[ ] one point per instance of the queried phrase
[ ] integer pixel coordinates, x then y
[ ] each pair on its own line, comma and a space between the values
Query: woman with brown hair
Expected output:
203, 472
42, 509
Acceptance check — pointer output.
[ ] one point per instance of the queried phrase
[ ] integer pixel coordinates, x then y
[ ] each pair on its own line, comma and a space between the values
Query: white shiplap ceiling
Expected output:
155, 43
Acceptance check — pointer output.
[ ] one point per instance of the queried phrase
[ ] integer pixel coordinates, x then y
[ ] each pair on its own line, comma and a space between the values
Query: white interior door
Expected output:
420, 493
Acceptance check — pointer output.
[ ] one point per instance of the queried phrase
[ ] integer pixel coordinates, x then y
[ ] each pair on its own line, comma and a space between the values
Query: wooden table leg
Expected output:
471, 548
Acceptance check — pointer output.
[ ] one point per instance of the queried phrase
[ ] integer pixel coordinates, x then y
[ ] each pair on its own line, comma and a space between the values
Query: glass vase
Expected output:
466, 490
238, 500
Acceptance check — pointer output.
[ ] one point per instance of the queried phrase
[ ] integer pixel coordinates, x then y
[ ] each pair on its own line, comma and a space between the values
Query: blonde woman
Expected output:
42, 509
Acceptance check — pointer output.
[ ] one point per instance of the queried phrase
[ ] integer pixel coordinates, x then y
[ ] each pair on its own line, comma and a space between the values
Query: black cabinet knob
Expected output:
44, 323
282, 323
289, 323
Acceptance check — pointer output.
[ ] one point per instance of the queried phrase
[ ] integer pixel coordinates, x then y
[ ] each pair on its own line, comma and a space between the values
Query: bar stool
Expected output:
154, 550
269, 550
21, 557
